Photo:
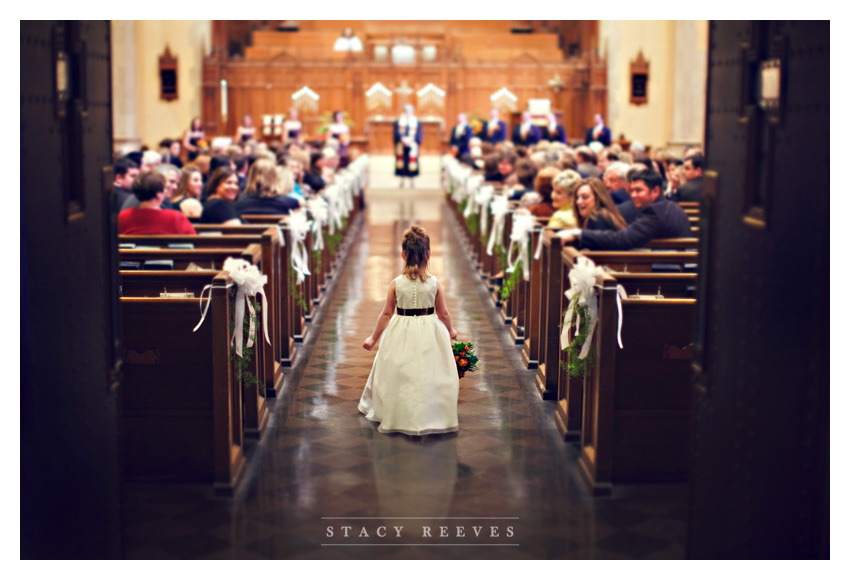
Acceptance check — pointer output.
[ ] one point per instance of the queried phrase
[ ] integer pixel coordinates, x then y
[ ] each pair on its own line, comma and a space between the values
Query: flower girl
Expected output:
413, 386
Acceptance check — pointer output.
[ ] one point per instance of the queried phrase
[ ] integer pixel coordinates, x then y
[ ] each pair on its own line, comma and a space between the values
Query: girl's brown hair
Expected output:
416, 246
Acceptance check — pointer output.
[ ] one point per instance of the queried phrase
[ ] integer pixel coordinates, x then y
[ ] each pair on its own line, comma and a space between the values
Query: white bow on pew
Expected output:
499, 208
472, 185
585, 277
249, 282
299, 225
482, 200
318, 209
521, 229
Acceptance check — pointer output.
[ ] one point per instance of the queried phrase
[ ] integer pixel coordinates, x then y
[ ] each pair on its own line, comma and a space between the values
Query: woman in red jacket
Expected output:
149, 218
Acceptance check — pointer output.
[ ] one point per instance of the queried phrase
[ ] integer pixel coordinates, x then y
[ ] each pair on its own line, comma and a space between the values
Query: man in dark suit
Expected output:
599, 132
658, 218
125, 170
526, 134
461, 134
554, 132
691, 190
494, 131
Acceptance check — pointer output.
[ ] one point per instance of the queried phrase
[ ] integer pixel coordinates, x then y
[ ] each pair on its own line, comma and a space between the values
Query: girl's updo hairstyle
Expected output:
416, 245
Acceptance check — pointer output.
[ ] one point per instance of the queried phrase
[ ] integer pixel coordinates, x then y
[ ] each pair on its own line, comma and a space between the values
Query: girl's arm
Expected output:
383, 319
443, 312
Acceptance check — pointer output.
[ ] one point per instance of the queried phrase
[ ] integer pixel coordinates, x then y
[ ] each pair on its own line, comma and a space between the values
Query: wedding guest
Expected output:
220, 207
691, 190
543, 188
149, 218
563, 198
313, 178
266, 193
172, 178
659, 218
187, 198
126, 171
616, 180
339, 130
526, 171
595, 207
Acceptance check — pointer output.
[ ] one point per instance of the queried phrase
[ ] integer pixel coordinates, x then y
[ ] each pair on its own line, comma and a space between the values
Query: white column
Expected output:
690, 71
125, 127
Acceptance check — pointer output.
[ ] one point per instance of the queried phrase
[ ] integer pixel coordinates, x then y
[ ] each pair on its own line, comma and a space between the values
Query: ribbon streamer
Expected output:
499, 208
299, 225
318, 209
521, 229
482, 200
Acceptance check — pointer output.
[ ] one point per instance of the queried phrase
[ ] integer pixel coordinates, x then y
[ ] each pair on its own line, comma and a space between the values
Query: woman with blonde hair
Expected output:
263, 192
187, 198
563, 198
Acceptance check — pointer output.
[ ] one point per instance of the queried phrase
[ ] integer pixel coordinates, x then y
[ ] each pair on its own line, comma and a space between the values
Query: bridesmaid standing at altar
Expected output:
292, 127
407, 137
246, 130
340, 131
193, 138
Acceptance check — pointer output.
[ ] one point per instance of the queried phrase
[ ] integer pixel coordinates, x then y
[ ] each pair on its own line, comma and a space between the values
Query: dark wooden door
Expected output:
70, 496
760, 468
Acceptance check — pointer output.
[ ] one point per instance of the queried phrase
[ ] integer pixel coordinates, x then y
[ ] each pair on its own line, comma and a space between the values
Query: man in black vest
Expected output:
526, 134
657, 218
459, 142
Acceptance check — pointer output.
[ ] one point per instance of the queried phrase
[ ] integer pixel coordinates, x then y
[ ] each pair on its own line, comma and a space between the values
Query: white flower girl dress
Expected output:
413, 386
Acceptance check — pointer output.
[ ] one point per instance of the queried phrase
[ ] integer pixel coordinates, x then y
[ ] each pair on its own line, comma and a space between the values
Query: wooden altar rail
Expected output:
181, 412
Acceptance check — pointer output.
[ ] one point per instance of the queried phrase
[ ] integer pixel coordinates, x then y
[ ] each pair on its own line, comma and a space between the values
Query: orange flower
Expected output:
456, 357
463, 362
467, 348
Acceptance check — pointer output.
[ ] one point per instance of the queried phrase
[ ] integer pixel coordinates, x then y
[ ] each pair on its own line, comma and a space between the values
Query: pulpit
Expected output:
380, 135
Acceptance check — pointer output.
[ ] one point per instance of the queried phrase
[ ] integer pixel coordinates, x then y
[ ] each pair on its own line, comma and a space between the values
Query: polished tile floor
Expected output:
504, 486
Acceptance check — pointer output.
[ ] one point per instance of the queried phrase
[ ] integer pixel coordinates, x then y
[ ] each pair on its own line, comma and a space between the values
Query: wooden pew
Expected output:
636, 404
568, 414
270, 264
181, 412
151, 283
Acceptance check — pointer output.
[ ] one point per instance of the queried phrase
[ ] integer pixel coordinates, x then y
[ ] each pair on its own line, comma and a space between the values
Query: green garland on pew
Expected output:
577, 367
295, 292
511, 281
471, 220
501, 257
242, 364
317, 262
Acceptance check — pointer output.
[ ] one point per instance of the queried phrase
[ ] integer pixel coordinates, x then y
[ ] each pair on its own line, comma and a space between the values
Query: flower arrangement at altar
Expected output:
465, 358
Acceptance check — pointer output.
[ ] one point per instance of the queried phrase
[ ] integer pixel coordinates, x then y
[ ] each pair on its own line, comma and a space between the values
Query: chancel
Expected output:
426, 289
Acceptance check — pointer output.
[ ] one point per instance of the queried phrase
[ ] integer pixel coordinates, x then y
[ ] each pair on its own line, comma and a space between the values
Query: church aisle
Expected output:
322, 466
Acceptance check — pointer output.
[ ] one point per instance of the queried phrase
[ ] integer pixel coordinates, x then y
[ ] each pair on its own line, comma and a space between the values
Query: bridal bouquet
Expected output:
465, 357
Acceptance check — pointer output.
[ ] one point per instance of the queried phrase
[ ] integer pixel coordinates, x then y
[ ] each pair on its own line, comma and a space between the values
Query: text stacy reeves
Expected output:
420, 532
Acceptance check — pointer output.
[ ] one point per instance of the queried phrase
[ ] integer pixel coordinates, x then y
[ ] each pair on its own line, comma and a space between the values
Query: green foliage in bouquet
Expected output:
577, 367
465, 359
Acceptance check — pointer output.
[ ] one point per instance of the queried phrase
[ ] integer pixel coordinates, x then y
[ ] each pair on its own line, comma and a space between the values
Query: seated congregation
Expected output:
243, 234
589, 254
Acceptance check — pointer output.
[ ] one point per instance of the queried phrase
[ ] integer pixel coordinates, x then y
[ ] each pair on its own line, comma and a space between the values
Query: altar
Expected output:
379, 134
